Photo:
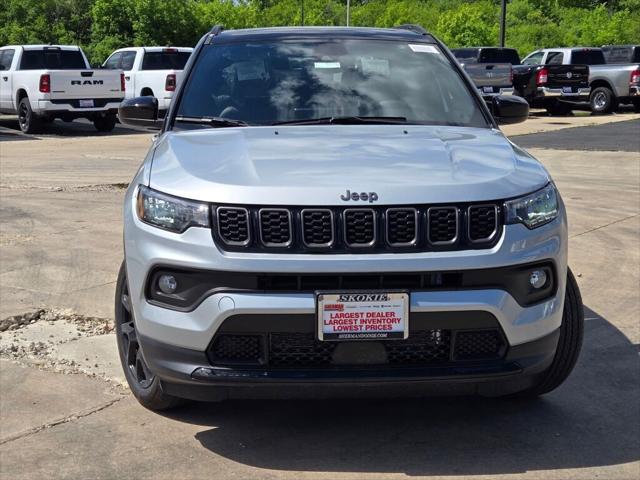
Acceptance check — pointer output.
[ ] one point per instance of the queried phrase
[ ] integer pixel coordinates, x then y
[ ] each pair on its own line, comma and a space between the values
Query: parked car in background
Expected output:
489, 68
150, 71
42, 82
556, 87
610, 84
621, 53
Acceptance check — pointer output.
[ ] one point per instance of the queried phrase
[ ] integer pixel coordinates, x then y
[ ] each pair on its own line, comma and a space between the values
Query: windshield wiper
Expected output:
352, 120
216, 122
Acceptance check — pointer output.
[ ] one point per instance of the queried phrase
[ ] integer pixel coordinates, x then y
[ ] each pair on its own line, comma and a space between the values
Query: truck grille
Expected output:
293, 350
353, 230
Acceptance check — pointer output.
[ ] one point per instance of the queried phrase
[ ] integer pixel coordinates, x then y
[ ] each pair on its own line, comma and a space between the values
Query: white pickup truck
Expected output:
150, 71
42, 82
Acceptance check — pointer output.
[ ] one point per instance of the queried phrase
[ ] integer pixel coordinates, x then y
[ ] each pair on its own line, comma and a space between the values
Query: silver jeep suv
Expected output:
334, 211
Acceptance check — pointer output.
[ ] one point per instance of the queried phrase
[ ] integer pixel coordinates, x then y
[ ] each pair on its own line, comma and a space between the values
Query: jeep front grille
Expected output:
233, 225
275, 227
317, 227
357, 230
483, 222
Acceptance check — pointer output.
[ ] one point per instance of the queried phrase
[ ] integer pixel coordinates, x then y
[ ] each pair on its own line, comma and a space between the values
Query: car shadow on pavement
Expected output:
58, 128
591, 420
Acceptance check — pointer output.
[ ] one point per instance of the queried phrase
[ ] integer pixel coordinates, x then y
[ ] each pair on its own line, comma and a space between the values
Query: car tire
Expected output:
636, 106
602, 101
144, 385
105, 124
569, 343
558, 108
29, 122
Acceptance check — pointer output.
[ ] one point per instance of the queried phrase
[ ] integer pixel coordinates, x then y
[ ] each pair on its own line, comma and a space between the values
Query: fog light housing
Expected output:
538, 279
167, 284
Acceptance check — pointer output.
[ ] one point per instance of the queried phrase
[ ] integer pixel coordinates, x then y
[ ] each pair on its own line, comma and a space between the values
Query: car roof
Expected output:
155, 49
331, 32
41, 46
482, 48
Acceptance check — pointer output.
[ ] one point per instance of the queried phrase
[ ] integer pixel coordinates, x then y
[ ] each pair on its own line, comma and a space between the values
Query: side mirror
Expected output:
509, 109
140, 112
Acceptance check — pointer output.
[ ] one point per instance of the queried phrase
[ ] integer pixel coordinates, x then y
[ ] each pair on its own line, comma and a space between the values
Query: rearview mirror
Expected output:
509, 109
140, 112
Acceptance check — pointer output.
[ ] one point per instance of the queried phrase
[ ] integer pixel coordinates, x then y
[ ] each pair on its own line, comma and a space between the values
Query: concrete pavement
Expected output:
60, 201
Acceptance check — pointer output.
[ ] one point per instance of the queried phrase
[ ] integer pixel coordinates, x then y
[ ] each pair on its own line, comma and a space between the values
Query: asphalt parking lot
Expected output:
65, 413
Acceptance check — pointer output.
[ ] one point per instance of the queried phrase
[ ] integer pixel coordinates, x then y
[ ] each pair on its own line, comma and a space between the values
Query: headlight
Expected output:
535, 209
171, 213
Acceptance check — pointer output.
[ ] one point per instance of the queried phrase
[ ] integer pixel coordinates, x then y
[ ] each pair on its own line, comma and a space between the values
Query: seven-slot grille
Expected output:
345, 230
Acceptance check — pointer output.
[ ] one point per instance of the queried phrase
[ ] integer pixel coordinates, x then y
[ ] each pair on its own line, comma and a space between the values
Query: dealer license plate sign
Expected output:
363, 316
86, 103
566, 89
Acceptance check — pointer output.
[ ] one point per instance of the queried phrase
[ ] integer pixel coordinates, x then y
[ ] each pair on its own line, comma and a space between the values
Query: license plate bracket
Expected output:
369, 315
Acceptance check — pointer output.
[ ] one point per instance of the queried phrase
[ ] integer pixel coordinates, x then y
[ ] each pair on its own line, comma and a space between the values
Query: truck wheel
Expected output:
602, 101
144, 385
558, 108
29, 121
105, 124
569, 343
636, 106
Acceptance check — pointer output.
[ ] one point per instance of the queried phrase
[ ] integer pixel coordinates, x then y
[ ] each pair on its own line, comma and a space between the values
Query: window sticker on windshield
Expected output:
253, 70
326, 64
424, 48
379, 66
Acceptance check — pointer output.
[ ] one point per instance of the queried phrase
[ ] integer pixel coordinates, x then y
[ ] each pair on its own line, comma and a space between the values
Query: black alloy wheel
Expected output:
28, 121
144, 384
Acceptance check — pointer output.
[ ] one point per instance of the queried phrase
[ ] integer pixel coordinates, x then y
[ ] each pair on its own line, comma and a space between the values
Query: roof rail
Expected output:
215, 30
412, 27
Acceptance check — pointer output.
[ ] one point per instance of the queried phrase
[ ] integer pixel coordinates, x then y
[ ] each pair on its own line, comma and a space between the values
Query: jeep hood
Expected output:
315, 165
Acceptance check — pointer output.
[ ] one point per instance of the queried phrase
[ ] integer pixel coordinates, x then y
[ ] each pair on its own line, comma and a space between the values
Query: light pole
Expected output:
503, 21
302, 13
348, 8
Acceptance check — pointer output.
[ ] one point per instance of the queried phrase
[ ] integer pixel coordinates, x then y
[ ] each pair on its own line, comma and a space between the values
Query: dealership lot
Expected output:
60, 202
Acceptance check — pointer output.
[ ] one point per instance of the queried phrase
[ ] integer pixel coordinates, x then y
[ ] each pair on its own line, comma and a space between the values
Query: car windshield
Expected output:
265, 83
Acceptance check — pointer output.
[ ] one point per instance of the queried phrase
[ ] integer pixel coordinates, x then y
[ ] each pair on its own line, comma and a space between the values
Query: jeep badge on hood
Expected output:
355, 196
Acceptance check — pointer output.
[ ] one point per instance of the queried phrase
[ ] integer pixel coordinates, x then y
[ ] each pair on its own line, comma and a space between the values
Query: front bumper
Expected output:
581, 94
187, 373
